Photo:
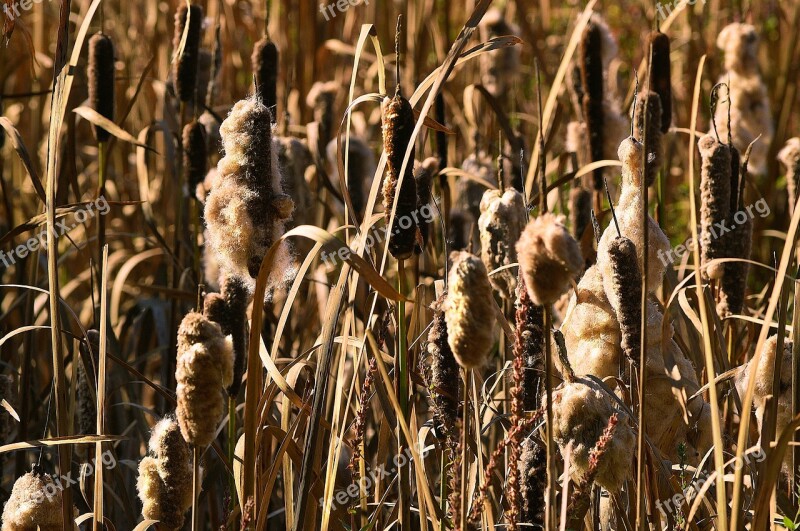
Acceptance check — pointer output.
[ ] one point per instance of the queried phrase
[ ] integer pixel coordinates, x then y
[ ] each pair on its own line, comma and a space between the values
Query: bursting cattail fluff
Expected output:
789, 156
265, 72
34, 504
625, 295
652, 136
204, 367
442, 370
549, 259
660, 73
469, 311
398, 125
87, 383
101, 80
423, 175
503, 217
184, 69
194, 154
229, 310
165, 476
246, 210
715, 193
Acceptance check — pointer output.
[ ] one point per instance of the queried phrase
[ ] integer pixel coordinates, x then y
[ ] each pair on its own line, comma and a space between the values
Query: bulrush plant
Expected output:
34, 504
360, 171
503, 217
715, 193
650, 103
423, 176
265, 72
441, 369
184, 68
661, 76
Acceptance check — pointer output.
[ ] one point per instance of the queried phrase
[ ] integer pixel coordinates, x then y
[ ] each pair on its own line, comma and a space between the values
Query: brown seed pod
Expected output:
443, 377
246, 210
204, 367
469, 310
529, 345
265, 72
294, 159
87, 383
580, 211
229, 310
549, 259
715, 193
398, 125
789, 156
652, 136
533, 471
660, 72
592, 79
424, 178
503, 217
360, 171
165, 476
195, 160
184, 70
34, 504
734, 278
204, 73
626, 295
101, 80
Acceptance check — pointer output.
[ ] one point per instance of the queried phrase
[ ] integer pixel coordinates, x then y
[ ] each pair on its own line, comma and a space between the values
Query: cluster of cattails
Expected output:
87, 383
499, 68
441, 370
184, 72
469, 310
165, 476
789, 156
204, 368
229, 310
246, 210
34, 504
503, 218
101, 80
748, 104
265, 72
398, 126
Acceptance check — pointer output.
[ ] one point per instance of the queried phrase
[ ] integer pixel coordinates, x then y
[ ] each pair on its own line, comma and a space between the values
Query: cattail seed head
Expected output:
87, 383
229, 310
165, 476
360, 171
204, 72
205, 365
265, 72
715, 193
503, 218
499, 67
322, 99
34, 504
469, 311
549, 259
580, 211
459, 230
592, 79
294, 159
789, 156
660, 72
398, 125
652, 136
101, 80
184, 69
247, 210
423, 175
442, 370
533, 471
195, 161
625, 295
529, 346
734, 278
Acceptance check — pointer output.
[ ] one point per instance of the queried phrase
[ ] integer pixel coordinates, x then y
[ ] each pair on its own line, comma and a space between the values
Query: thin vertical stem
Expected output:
195, 485
551, 473
402, 391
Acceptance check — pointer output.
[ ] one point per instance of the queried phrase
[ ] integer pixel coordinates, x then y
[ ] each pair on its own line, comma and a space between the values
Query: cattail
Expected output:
265, 72
748, 107
592, 79
184, 69
194, 154
529, 347
469, 311
734, 278
503, 217
165, 476
790, 157
424, 177
246, 210
322, 99
442, 370
715, 192
229, 310
360, 171
294, 159
625, 295
204, 74
470, 193
533, 473
101, 80
581, 411
651, 101
398, 125
34, 504
87, 383
205, 365
500, 67
459, 230
549, 259
580, 209
660, 75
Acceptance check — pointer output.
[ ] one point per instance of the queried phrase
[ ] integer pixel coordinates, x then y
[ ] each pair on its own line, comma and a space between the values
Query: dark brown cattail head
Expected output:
458, 230
443, 376
533, 472
529, 347
661, 77
580, 211
398, 125
652, 136
265, 72
736, 169
322, 98
626, 298
715, 195
204, 74
424, 177
184, 70
237, 297
101, 80
591, 65
194, 154
87, 383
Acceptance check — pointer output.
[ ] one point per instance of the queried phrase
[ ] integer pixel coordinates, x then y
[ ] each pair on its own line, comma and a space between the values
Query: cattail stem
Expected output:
464, 466
549, 517
195, 485
443, 487
232, 447
402, 386
101, 192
